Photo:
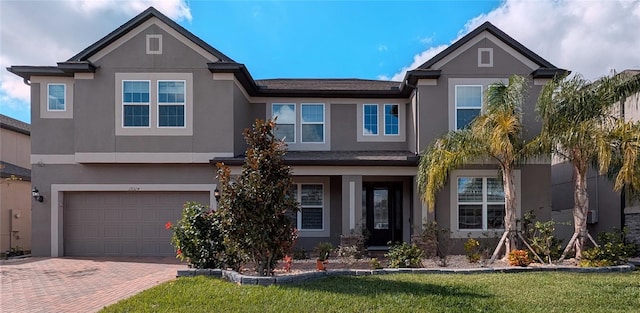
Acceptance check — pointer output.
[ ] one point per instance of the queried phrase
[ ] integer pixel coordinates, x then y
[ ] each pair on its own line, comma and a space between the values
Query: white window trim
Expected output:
384, 119
64, 86
153, 129
43, 102
326, 202
484, 202
453, 82
184, 103
324, 118
148, 104
295, 124
300, 145
364, 117
464, 107
299, 200
456, 232
382, 136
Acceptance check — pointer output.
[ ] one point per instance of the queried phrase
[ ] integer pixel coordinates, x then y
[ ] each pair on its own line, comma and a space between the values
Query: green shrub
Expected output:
198, 239
613, 250
405, 255
540, 237
472, 249
323, 249
374, 263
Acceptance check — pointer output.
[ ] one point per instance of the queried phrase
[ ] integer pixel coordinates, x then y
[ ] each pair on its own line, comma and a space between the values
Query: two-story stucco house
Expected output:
130, 128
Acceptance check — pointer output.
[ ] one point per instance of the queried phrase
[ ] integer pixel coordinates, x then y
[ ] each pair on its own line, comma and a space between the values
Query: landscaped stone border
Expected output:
238, 278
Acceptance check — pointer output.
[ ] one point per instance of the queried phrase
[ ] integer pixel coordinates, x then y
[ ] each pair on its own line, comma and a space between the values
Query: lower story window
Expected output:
311, 200
171, 115
480, 203
136, 115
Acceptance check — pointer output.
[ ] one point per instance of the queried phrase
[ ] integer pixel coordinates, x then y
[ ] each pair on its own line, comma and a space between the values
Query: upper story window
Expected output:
381, 122
370, 119
135, 102
480, 202
312, 122
468, 104
56, 97
154, 104
391, 120
171, 103
303, 126
286, 121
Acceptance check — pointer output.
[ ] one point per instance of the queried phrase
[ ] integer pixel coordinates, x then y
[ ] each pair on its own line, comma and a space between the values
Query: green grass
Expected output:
521, 292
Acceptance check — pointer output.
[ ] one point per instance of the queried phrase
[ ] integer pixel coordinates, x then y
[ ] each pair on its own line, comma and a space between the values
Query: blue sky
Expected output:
329, 39
320, 39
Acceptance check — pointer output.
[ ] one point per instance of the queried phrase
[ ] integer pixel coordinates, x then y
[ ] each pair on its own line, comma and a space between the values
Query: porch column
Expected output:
351, 204
421, 212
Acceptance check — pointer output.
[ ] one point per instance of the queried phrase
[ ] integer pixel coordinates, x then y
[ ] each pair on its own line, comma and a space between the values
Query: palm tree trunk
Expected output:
509, 209
580, 211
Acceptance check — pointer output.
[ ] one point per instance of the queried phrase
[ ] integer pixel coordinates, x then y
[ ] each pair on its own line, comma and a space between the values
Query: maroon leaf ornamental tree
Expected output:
256, 207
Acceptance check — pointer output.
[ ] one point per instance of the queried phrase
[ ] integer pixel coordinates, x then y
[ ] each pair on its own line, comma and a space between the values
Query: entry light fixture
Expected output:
35, 193
216, 194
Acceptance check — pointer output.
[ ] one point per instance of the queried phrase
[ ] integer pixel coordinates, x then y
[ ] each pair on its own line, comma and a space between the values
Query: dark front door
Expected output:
383, 207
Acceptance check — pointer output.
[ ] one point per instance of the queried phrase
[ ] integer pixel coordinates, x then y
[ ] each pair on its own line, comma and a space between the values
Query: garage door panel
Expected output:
122, 223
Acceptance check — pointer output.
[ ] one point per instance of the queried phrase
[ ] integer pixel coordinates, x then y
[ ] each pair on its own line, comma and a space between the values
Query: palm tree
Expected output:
497, 134
581, 124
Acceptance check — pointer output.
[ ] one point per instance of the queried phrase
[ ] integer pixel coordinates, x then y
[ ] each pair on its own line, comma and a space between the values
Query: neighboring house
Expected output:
607, 209
15, 186
130, 128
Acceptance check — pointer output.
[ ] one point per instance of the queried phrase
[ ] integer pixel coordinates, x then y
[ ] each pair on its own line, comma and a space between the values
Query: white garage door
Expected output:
122, 223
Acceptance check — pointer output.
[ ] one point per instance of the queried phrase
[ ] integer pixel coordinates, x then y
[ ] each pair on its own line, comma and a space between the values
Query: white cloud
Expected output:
587, 37
47, 32
383, 48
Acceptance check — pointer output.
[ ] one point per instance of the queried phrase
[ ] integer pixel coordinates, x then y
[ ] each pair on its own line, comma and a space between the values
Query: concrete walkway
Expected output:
78, 284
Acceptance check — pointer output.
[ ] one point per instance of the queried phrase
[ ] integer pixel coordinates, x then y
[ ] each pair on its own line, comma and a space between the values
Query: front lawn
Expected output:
521, 292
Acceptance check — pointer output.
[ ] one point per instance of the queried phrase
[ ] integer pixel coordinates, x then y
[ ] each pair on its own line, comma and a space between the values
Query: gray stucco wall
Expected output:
95, 102
434, 103
602, 199
53, 136
344, 118
131, 174
534, 194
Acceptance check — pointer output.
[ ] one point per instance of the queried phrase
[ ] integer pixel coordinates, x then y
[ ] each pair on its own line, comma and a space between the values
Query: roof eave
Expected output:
407, 162
550, 73
27, 71
77, 67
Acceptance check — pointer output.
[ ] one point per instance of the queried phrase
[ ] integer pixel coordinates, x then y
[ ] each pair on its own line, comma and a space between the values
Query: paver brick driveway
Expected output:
78, 284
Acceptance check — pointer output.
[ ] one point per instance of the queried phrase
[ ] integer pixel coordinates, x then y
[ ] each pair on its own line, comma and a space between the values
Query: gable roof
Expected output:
85, 54
487, 26
546, 70
80, 63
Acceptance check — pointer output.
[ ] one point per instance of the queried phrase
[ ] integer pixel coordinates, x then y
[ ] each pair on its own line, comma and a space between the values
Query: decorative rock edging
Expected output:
240, 279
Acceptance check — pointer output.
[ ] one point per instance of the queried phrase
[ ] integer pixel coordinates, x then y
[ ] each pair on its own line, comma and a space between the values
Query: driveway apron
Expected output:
78, 284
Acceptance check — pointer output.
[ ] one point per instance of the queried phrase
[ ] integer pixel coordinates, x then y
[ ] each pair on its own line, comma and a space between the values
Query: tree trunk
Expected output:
510, 205
580, 208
